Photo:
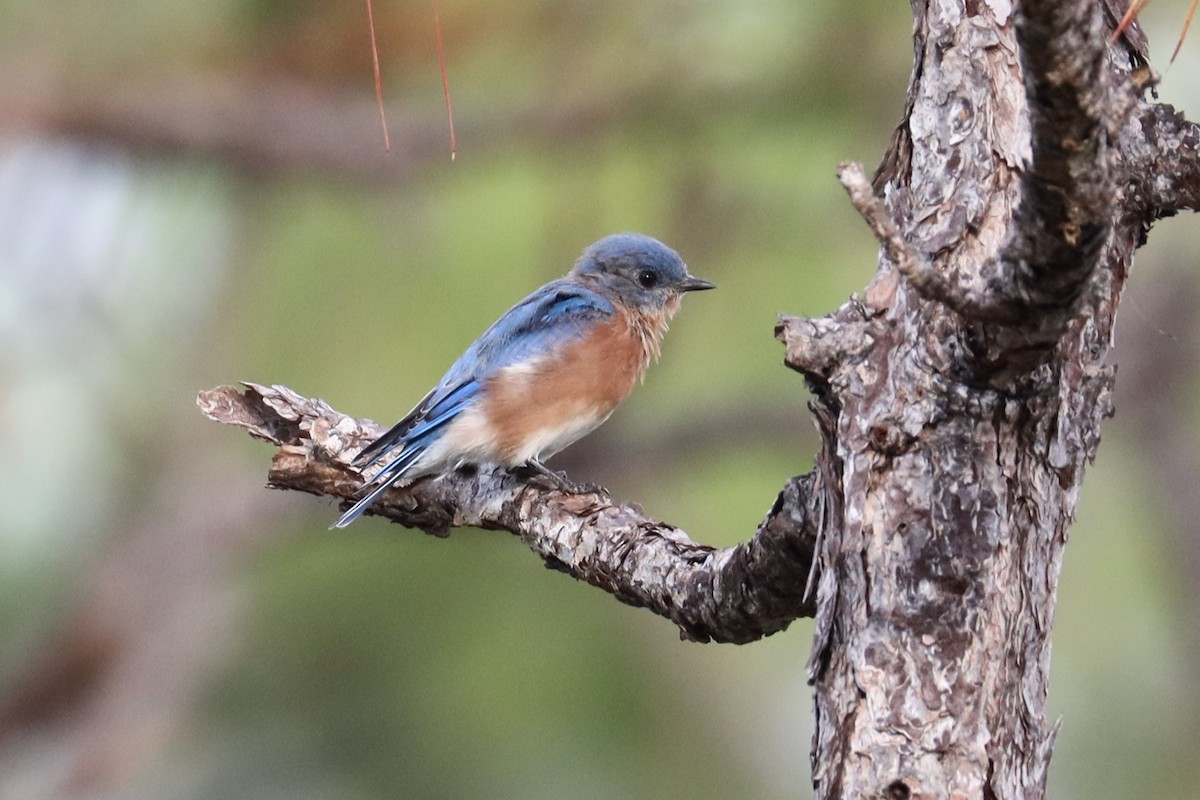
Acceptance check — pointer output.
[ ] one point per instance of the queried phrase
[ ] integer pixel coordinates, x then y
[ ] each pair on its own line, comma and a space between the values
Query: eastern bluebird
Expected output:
545, 374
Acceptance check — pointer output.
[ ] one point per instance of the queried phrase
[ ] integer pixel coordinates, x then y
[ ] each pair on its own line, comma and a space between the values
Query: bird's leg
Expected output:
559, 480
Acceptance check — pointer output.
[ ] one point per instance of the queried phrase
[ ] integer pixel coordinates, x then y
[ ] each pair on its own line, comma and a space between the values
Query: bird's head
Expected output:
640, 272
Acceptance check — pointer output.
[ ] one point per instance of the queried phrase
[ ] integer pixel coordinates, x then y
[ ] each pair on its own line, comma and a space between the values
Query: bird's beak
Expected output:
694, 284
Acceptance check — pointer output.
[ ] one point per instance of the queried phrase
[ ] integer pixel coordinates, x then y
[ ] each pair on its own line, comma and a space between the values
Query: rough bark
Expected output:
959, 400
967, 388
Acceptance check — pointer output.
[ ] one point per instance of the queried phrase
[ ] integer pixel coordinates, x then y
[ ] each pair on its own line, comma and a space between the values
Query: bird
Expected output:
549, 371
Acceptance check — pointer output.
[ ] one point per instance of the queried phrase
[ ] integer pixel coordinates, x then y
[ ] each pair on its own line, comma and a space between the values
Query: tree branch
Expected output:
1027, 290
1162, 163
1032, 286
919, 270
1067, 192
735, 594
1079, 96
270, 125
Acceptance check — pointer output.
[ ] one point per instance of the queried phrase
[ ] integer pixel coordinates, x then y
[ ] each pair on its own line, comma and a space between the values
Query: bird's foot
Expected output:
559, 480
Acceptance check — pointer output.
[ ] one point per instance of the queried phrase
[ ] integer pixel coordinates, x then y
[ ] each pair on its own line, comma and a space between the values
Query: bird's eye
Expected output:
647, 279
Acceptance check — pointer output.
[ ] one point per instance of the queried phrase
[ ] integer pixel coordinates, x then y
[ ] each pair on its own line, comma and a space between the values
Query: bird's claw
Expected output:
560, 481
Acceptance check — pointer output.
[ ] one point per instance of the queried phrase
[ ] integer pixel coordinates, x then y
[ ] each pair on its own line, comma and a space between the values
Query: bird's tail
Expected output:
384, 481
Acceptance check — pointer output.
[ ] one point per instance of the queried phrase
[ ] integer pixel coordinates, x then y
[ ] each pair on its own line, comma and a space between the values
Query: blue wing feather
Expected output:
558, 312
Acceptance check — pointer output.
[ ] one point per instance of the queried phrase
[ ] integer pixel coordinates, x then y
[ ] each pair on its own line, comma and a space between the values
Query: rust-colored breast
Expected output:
536, 409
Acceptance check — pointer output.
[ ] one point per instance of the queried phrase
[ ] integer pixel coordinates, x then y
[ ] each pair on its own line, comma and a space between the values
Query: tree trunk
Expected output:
965, 394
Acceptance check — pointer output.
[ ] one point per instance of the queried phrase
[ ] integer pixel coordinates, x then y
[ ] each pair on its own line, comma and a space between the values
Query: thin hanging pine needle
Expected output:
1187, 23
387, 143
441, 51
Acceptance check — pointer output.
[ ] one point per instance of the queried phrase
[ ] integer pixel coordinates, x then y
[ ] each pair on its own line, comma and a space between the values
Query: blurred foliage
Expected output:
382, 663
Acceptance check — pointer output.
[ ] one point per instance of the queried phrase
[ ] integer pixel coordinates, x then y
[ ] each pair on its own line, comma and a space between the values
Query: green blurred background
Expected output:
194, 193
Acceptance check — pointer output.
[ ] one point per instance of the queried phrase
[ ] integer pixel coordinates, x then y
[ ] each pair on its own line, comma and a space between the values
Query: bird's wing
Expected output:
558, 312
